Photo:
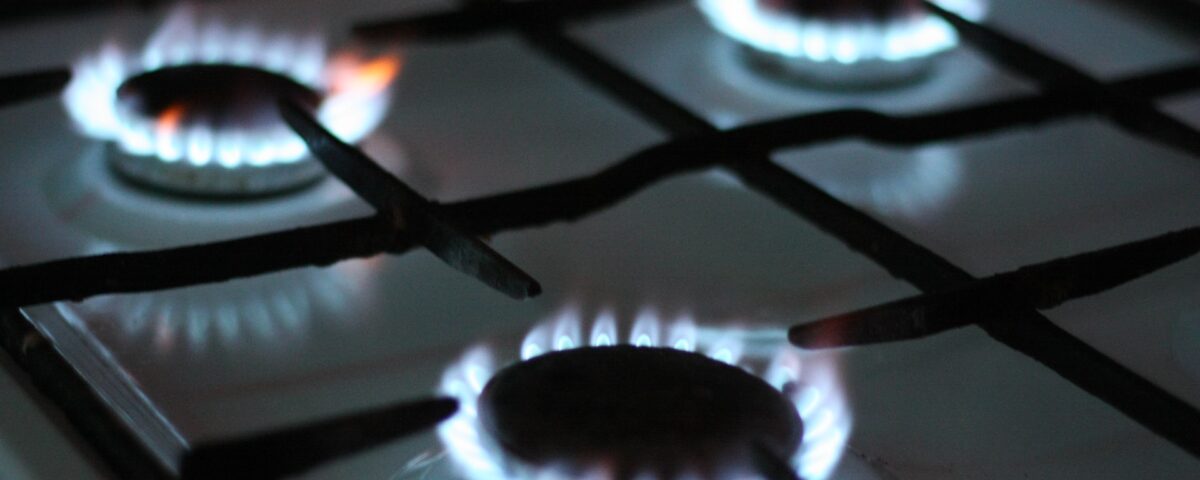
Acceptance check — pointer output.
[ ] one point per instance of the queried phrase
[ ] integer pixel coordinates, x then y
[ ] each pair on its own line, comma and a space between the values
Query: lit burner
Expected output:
666, 404
840, 42
194, 112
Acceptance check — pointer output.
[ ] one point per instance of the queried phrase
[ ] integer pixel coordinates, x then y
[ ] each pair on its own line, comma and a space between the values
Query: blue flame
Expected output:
810, 382
822, 41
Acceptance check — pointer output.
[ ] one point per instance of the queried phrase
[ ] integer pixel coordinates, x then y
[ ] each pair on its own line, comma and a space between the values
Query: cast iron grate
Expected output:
696, 145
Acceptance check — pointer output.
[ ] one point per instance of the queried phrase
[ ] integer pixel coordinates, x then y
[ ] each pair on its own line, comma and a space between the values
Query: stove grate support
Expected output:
699, 145
319, 245
1130, 112
1026, 331
29, 85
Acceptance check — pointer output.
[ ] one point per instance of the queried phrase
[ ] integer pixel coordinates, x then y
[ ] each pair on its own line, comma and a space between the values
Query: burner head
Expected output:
637, 410
193, 111
228, 105
880, 11
839, 43
214, 96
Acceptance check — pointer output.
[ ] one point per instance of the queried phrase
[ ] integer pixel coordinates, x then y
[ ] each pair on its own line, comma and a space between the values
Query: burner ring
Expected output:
213, 180
219, 101
218, 95
637, 410
194, 110
840, 45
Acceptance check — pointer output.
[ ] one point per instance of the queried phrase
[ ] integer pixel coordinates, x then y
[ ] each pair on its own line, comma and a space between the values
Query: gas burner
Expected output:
848, 43
637, 410
650, 408
194, 113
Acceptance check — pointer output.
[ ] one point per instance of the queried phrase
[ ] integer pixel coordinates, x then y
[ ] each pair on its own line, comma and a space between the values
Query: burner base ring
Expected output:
861, 74
213, 180
637, 410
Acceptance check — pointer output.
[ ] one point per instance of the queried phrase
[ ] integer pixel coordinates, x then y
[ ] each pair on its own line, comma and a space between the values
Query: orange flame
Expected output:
169, 120
351, 74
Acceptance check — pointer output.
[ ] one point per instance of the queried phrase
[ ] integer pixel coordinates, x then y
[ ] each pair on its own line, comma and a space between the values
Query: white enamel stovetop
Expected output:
489, 115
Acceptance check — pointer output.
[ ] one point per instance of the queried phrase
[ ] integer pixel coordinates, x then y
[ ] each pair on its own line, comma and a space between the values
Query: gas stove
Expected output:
775, 239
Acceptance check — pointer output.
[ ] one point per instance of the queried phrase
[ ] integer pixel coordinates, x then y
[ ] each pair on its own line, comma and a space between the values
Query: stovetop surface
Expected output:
489, 115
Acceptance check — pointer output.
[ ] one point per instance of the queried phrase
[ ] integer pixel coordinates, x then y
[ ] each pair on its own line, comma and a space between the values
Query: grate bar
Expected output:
1182, 15
1086, 367
1028, 332
1128, 111
479, 18
572, 199
419, 219
85, 409
698, 145
296, 449
1042, 286
25, 86
649, 103
82, 277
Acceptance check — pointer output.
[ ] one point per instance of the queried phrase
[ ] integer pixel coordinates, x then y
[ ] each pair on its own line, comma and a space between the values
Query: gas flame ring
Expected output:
175, 149
838, 51
811, 384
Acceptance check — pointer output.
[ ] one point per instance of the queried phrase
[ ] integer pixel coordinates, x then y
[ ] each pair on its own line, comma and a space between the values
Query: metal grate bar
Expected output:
88, 412
1042, 286
652, 105
82, 277
1028, 332
1132, 113
24, 86
698, 145
1182, 15
419, 219
479, 18
295, 449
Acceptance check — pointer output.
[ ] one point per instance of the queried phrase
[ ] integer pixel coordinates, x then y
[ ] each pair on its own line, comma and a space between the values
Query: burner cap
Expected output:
215, 114
847, 10
219, 96
637, 410
839, 44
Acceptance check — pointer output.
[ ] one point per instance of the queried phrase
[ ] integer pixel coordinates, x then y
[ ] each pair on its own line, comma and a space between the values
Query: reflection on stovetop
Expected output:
725, 270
